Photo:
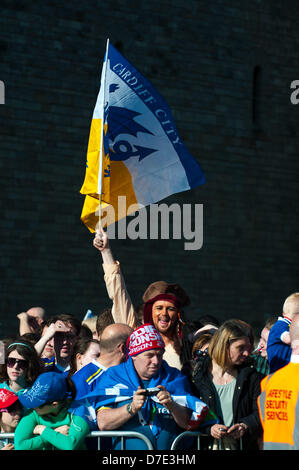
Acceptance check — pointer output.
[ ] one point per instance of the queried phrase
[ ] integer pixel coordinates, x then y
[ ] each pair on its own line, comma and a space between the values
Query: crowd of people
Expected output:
150, 371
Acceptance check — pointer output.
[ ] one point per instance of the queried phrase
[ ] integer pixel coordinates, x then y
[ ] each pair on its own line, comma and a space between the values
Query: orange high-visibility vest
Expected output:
279, 408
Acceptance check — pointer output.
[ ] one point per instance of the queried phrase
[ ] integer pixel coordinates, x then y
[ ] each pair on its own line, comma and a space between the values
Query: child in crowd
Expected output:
10, 415
279, 343
85, 350
50, 425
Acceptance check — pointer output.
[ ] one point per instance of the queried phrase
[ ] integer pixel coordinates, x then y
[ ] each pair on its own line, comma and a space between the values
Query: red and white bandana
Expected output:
144, 338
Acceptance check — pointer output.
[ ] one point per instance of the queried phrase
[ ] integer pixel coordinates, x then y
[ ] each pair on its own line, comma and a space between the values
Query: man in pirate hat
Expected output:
163, 305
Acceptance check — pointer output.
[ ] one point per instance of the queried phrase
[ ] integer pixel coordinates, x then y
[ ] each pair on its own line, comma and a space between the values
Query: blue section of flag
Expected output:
145, 91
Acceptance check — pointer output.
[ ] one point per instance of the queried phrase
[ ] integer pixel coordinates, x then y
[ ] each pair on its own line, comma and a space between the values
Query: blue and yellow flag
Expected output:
134, 148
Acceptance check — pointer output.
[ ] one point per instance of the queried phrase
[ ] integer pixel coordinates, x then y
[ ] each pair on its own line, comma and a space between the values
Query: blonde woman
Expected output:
229, 384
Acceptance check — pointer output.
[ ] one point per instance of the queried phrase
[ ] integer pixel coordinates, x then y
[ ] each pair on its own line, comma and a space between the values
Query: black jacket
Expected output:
247, 390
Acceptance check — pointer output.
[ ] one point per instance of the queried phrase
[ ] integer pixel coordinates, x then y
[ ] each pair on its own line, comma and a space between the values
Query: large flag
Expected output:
134, 152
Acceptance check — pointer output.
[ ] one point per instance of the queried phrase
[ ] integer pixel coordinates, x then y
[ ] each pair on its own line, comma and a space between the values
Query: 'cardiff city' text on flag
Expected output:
134, 148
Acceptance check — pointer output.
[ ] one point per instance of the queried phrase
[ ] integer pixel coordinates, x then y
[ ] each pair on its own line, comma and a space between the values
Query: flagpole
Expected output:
102, 136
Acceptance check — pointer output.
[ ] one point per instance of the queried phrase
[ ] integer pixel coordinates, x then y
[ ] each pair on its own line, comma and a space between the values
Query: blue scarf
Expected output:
119, 383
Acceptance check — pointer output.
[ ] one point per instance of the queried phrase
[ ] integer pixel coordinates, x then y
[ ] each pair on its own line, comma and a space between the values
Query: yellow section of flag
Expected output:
91, 208
91, 213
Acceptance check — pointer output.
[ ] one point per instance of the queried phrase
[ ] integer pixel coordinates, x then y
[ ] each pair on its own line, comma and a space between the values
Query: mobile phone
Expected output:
149, 392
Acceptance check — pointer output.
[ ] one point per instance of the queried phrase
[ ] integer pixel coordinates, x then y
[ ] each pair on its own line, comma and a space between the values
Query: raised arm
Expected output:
25, 326
122, 308
57, 327
101, 242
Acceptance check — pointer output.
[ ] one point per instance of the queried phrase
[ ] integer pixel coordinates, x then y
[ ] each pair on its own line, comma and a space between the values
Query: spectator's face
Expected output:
263, 342
93, 352
16, 367
48, 408
11, 416
164, 315
64, 343
148, 363
239, 350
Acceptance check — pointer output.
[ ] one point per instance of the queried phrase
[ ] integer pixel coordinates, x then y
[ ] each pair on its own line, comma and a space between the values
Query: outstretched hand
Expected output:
101, 241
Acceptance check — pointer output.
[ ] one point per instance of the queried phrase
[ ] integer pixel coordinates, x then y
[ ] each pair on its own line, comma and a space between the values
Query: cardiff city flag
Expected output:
134, 149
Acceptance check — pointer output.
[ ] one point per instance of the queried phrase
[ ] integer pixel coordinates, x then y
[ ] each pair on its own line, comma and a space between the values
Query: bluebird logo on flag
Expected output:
121, 121
122, 149
132, 127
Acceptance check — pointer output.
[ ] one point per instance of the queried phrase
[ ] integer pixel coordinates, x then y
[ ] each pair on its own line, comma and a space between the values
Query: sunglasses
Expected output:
12, 361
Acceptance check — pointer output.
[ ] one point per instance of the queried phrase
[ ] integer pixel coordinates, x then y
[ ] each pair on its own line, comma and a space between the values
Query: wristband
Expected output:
129, 409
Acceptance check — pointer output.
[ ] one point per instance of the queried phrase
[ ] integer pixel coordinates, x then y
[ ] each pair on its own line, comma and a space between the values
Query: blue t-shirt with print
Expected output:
169, 429
278, 352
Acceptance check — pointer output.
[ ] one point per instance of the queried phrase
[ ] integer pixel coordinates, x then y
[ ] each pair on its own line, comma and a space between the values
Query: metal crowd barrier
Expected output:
176, 441
98, 434
198, 435
7, 435
125, 434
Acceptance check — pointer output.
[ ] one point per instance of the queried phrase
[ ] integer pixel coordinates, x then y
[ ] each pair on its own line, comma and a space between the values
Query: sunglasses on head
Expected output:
22, 363
14, 408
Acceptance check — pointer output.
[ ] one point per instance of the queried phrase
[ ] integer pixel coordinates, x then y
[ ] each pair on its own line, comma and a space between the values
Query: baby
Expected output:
279, 342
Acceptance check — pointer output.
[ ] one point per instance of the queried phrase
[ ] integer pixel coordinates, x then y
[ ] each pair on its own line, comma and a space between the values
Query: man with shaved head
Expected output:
279, 402
112, 352
31, 321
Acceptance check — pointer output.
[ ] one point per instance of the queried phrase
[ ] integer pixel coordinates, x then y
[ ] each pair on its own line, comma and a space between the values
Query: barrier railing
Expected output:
125, 434
7, 435
98, 434
198, 436
176, 441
